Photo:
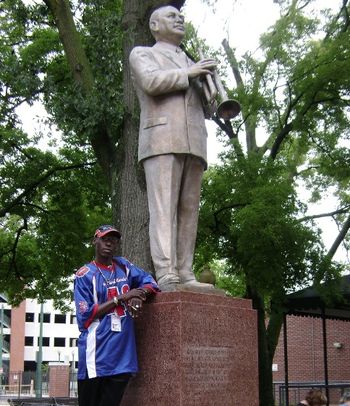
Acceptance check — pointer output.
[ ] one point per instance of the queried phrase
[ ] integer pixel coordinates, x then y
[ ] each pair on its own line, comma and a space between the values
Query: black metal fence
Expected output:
23, 385
298, 390
43, 402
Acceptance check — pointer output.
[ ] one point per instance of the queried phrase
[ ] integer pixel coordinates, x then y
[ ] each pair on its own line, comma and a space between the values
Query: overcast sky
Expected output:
241, 22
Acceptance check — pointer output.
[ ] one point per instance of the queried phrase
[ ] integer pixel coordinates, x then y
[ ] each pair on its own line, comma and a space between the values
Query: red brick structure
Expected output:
305, 352
17, 342
59, 380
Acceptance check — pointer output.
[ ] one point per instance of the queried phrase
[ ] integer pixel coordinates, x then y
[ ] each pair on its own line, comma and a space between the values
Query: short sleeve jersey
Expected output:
103, 349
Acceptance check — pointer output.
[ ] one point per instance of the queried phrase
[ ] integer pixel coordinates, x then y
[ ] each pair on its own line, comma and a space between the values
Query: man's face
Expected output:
106, 246
168, 25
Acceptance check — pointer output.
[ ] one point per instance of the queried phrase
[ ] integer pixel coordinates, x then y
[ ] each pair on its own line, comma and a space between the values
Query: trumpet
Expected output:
228, 108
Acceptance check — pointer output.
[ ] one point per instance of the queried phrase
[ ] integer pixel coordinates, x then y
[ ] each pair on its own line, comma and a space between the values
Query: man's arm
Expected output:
131, 299
151, 78
155, 80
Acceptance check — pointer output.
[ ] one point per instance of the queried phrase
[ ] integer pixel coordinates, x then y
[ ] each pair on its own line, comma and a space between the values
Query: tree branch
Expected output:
232, 62
13, 251
279, 139
75, 53
342, 10
339, 239
329, 214
18, 200
248, 124
225, 126
101, 141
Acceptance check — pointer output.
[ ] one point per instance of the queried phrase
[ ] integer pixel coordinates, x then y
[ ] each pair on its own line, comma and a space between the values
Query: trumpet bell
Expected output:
228, 109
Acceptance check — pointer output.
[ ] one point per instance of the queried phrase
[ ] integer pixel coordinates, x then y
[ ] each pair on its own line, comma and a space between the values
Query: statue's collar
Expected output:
166, 46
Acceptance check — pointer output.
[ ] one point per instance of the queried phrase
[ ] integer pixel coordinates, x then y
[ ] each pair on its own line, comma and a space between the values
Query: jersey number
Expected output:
112, 292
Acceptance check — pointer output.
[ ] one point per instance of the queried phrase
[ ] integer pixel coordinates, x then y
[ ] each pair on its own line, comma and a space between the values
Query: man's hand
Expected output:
203, 67
134, 300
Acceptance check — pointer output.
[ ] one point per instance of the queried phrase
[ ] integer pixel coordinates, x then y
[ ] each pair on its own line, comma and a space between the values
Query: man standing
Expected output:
108, 293
172, 144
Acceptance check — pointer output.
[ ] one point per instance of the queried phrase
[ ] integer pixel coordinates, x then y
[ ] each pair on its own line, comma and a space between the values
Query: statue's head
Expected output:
167, 24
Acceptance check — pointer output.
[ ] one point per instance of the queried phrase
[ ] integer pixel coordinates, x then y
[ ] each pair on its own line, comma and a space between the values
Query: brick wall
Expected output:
59, 380
18, 315
305, 351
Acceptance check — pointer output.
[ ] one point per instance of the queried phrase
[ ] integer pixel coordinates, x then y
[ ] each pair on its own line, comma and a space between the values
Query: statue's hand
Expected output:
202, 67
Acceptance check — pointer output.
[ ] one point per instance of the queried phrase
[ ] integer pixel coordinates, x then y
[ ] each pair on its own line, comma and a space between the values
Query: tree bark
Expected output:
129, 198
70, 38
265, 355
249, 124
339, 239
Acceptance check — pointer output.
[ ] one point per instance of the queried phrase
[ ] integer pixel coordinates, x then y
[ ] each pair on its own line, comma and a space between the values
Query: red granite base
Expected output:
196, 349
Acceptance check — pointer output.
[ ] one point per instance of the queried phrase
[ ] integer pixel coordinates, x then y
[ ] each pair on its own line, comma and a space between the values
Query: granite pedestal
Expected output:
195, 349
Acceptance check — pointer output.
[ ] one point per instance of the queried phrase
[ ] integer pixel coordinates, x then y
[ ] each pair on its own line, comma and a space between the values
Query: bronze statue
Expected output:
172, 145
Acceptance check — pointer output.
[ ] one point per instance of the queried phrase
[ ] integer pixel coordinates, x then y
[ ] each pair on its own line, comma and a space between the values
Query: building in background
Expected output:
306, 363
21, 335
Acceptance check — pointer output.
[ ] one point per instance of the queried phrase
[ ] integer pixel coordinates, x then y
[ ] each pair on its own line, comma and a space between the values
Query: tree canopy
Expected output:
73, 58
254, 226
253, 219
290, 93
53, 193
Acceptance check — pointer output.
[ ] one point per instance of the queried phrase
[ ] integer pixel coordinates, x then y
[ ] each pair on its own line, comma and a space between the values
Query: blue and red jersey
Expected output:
102, 351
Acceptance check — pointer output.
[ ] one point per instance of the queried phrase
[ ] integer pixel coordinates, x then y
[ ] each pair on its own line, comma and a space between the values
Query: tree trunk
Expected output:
265, 355
129, 199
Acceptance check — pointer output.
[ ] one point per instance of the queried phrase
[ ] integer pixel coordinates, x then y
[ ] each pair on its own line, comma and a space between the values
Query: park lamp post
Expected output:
39, 357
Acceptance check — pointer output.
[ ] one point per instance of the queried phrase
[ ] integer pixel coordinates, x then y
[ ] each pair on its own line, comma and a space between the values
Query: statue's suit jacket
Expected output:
172, 117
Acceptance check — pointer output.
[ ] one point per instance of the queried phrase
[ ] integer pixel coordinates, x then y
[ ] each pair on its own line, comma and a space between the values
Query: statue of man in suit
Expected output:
172, 145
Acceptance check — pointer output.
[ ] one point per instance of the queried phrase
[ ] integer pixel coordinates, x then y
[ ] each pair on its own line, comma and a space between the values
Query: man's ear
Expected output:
153, 26
94, 241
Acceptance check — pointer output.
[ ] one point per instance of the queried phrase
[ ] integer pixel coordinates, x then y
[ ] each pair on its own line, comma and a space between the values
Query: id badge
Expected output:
116, 324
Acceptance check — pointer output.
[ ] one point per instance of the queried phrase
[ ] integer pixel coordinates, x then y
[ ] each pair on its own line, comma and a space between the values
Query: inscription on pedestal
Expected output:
205, 370
207, 365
